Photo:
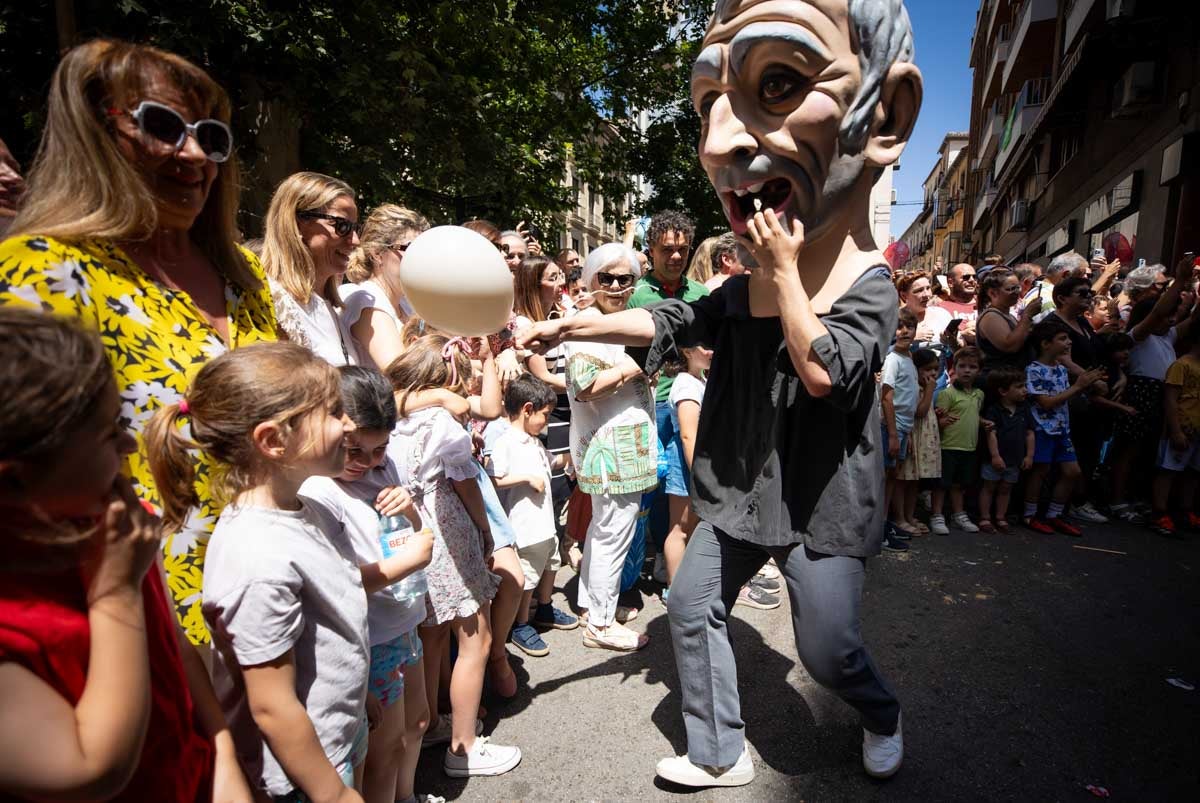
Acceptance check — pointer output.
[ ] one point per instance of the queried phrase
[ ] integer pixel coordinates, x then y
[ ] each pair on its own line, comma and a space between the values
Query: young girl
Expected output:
433, 454
98, 700
282, 598
687, 393
924, 460
368, 488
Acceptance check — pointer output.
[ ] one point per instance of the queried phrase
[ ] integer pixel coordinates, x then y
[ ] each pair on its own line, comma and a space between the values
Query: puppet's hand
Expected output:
775, 244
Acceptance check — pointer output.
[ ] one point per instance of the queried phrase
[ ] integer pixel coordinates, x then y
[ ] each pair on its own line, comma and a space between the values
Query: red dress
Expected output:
44, 627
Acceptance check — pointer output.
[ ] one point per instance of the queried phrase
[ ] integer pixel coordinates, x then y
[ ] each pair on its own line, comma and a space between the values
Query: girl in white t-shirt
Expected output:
282, 595
368, 488
687, 394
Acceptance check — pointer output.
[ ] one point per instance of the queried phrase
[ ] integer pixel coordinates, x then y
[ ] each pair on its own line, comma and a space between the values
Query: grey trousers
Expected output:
824, 590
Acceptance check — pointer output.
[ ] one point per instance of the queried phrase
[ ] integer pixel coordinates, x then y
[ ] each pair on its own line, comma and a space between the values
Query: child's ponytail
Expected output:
172, 465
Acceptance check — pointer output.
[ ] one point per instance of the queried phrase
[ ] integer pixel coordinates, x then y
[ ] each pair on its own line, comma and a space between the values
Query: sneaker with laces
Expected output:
882, 755
1088, 514
549, 616
1163, 525
937, 525
441, 731
770, 586
1039, 526
528, 640
963, 522
1125, 513
769, 570
1061, 525
893, 544
680, 770
483, 758
753, 597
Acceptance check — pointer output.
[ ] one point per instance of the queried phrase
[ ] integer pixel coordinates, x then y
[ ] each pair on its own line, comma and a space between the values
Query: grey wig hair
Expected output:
1143, 277
884, 36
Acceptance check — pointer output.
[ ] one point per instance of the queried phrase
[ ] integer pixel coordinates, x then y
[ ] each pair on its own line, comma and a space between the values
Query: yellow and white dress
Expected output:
157, 341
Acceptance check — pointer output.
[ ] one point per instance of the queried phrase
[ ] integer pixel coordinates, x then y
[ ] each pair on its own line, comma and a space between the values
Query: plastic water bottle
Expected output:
394, 532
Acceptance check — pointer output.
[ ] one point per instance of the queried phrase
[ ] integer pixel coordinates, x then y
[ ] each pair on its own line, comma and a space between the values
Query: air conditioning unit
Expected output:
1018, 216
894, 197
1120, 9
1135, 90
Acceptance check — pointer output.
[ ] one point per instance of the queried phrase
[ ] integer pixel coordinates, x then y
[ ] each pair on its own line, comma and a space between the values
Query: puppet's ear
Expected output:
895, 114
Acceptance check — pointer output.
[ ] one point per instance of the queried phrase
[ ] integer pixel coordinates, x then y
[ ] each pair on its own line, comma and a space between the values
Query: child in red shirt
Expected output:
93, 688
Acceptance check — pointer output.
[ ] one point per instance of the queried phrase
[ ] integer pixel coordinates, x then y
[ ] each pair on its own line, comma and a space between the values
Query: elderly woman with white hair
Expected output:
613, 446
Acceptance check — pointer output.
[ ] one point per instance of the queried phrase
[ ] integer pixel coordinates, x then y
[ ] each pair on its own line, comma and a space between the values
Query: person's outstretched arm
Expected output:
631, 327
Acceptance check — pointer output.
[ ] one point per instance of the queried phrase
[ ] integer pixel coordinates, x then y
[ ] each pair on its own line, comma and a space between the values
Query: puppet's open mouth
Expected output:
743, 203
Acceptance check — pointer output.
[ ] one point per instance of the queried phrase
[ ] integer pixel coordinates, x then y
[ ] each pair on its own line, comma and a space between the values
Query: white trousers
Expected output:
614, 519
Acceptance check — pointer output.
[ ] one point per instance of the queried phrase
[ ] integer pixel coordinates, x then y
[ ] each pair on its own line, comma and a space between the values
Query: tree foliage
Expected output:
458, 109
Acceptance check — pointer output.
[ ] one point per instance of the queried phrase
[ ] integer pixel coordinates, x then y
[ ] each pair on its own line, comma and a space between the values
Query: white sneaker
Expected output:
937, 525
683, 772
769, 570
1087, 513
484, 758
441, 731
660, 569
962, 522
882, 754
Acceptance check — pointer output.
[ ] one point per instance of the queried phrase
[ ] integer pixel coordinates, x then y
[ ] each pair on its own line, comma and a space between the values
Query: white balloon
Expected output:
457, 281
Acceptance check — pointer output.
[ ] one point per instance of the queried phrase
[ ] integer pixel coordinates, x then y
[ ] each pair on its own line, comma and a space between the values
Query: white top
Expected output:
613, 438
686, 388
1153, 356
930, 329
356, 298
354, 504
531, 513
316, 326
278, 580
448, 451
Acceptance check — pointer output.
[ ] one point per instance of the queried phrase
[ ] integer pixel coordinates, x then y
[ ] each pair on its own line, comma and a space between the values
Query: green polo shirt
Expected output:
649, 290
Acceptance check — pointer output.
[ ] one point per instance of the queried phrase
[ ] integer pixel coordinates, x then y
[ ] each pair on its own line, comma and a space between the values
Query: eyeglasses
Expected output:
1084, 293
398, 249
967, 277
341, 226
166, 125
623, 280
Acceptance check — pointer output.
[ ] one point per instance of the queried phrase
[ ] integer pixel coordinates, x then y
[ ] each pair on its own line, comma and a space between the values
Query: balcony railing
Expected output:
1029, 104
1026, 14
997, 55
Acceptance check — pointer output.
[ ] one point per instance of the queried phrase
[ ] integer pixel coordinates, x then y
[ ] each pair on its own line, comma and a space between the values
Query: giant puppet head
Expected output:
801, 103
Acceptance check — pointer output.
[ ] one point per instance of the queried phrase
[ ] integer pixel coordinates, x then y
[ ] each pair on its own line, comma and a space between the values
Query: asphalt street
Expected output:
1029, 667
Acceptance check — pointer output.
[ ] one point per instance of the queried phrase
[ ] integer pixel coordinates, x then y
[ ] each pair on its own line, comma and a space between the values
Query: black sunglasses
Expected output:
341, 226
167, 126
399, 249
623, 280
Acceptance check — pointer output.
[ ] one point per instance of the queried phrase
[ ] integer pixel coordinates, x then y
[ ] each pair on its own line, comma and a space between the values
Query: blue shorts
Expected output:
345, 769
679, 479
502, 531
1009, 475
1053, 448
888, 462
386, 680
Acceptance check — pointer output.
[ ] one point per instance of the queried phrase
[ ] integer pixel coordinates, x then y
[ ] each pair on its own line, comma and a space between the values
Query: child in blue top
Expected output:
1050, 389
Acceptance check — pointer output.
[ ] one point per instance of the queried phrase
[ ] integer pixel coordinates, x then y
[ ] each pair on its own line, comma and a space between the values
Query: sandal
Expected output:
1002, 525
986, 526
914, 527
616, 638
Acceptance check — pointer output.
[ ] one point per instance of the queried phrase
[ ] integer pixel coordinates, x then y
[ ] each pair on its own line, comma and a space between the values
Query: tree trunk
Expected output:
274, 155
64, 23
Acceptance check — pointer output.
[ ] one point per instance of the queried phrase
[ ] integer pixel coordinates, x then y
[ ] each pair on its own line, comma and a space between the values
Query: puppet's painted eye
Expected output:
778, 84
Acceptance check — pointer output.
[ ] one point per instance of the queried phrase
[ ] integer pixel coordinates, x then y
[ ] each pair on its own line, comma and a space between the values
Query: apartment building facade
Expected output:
1084, 120
936, 234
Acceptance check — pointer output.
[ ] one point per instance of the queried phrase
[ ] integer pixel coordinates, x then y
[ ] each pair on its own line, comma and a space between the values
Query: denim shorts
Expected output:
678, 479
345, 770
502, 531
1009, 475
888, 462
386, 680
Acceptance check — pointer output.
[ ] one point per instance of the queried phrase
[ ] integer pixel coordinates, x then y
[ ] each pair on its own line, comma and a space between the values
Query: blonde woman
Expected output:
374, 307
129, 226
701, 269
311, 234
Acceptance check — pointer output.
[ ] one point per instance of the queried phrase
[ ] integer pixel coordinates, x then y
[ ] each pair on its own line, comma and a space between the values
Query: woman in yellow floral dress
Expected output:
129, 225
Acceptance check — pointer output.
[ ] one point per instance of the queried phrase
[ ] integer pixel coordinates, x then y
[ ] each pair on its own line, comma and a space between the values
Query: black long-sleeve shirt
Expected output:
774, 465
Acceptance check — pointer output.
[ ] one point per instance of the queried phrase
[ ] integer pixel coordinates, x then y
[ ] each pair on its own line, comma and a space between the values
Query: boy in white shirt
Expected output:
522, 467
